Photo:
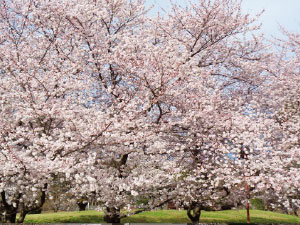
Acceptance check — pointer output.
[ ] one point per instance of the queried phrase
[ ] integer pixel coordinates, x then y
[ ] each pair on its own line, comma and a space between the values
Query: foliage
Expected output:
257, 203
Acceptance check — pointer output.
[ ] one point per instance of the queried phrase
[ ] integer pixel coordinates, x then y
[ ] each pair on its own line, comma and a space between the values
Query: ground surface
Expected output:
165, 216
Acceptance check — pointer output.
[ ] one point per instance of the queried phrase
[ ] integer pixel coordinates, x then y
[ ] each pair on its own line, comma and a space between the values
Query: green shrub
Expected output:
143, 201
257, 203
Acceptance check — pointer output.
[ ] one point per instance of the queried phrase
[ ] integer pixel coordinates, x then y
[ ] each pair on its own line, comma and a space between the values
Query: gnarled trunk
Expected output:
24, 210
10, 215
112, 215
194, 212
10, 210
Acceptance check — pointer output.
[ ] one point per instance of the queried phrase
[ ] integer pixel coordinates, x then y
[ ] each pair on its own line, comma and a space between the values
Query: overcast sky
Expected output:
283, 12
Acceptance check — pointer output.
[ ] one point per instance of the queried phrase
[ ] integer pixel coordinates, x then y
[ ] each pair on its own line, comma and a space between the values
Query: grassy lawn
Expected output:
165, 216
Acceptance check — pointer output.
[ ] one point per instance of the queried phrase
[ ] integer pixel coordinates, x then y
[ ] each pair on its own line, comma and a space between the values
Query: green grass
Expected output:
165, 216
66, 217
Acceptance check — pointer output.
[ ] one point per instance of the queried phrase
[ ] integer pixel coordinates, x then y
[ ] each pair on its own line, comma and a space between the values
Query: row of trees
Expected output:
122, 107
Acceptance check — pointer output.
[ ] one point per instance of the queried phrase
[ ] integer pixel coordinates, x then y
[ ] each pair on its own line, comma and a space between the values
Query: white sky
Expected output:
277, 12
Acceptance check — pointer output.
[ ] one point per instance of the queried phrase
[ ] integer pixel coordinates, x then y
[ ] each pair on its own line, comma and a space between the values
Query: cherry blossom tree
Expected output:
176, 74
67, 65
126, 107
220, 66
46, 102
279, 103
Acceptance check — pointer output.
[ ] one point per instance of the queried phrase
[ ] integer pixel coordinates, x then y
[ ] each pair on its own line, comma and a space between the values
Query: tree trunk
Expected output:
82, 206
112, 215
24, 210
194, 213
248, 200
23, 213
10, 210
10, 214
10, 217
22, 217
